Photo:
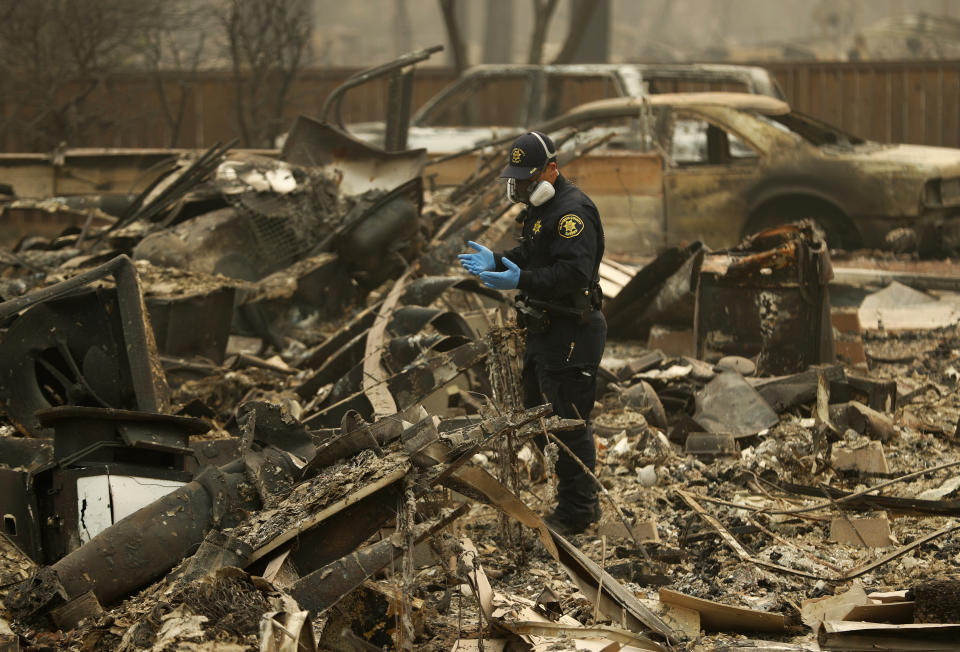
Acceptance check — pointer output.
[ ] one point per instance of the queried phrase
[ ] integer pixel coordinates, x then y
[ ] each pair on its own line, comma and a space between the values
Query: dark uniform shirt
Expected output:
561, 247
559, 255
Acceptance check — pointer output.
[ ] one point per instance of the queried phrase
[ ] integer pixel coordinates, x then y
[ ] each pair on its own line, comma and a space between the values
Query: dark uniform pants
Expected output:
568, 380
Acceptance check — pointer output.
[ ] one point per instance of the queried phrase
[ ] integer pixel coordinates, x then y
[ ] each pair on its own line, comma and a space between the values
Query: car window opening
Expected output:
811, 130
697, 142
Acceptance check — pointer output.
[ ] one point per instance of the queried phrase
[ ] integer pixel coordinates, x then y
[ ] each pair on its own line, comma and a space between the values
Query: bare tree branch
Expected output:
55, 54
267, 41
178, 45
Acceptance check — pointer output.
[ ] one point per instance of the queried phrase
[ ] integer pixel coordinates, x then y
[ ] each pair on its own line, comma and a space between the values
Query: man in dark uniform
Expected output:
556, 270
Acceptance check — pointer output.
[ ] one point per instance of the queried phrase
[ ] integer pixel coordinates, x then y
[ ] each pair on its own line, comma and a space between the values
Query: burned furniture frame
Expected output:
142, 362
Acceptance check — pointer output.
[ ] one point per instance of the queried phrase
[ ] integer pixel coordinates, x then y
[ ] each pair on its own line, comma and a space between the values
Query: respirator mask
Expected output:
537, 196
541, 192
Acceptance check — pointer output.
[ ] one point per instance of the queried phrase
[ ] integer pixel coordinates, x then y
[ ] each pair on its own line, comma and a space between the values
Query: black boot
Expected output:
566, 523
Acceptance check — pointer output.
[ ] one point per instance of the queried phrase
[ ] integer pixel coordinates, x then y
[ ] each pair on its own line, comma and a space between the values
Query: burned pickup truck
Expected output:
673, 168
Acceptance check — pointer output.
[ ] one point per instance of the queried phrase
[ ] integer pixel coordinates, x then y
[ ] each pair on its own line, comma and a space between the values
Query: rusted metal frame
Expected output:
189, 177
507, 425
184, 184
736, 545
146, 372
338, 364
335, 99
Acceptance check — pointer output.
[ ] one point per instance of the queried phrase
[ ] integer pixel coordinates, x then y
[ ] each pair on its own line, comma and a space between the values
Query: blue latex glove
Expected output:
502, 280
482, 261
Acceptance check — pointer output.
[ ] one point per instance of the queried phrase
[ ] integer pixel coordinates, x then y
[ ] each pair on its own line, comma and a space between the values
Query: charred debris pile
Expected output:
260, 409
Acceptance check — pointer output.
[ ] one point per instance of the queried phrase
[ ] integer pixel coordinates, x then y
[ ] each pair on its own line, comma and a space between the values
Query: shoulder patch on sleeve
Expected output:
570, 226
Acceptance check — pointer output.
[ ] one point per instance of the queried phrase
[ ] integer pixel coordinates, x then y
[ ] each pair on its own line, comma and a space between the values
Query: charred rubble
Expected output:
260, 409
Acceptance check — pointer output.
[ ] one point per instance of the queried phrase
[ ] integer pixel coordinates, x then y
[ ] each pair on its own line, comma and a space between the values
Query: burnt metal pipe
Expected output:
148, 543
335, 99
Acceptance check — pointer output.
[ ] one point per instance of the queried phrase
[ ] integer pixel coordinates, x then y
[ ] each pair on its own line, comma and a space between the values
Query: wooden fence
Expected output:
898, 102
909, 102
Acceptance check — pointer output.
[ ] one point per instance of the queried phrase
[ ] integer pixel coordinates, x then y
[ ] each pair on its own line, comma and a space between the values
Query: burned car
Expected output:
714, 167
493, 99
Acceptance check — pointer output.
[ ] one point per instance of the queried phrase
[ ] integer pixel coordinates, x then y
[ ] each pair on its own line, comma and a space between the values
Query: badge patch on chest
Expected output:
570, 226
536, 227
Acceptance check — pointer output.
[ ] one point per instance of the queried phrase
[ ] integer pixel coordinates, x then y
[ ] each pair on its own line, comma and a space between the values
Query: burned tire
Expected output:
837, 229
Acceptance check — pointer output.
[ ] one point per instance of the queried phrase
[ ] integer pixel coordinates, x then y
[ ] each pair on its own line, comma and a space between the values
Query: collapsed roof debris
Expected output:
261, 409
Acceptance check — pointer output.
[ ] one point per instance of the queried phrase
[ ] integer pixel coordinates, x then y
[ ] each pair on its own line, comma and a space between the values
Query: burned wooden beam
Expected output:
869, 422
731, 540
854, 636
355, 435
323, 587
280, 528
872, 502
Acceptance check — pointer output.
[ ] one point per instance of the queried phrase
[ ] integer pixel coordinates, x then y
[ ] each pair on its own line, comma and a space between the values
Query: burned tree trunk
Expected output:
458, 49
589, 36
542, 13
498, 32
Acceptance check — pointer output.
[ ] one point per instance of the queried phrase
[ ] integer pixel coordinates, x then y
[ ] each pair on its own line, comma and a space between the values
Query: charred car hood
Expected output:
922, 160
436, 140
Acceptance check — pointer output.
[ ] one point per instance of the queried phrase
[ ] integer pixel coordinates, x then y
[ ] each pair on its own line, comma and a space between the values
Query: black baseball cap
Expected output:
529, 155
